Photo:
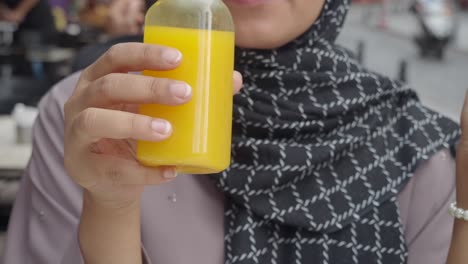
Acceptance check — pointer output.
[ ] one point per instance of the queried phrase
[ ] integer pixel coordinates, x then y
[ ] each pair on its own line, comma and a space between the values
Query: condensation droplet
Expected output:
172, 197
41, 214
444, 156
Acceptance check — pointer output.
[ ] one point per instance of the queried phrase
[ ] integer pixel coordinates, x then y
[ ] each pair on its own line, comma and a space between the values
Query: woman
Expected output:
16, 11
30, 15
115, 17
331, 163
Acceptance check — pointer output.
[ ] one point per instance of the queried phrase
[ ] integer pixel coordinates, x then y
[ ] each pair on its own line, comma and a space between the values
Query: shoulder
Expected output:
49, 126
60, 92
48, 204
46, 173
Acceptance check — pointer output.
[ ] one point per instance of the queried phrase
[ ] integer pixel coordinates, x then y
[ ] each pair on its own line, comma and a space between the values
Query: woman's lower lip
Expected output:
248, 2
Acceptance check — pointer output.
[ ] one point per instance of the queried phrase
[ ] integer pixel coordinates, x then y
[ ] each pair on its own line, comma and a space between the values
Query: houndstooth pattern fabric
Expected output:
321, 148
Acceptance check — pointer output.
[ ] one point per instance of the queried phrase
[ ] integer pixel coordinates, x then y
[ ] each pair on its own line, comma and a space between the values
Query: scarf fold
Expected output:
321, 148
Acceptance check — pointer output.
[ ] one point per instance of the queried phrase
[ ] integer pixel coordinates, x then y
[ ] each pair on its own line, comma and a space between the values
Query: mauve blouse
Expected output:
182, 222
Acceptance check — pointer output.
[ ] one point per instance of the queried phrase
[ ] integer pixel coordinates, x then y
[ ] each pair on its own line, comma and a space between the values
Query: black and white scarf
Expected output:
321, 148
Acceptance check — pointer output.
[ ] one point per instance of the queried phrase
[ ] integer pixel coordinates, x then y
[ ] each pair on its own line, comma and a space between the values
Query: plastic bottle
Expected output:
203, 31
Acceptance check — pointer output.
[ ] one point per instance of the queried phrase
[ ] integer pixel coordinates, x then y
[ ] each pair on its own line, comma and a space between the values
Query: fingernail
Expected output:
237, 75
180, 90
169, 174
172, 56
161, 126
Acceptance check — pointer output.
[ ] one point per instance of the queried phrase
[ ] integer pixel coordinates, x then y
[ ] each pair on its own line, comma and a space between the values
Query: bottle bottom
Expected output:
197, 170
187, 167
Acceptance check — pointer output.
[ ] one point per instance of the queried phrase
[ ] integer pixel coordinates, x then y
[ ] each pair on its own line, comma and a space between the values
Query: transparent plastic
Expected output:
203, 31
197, 14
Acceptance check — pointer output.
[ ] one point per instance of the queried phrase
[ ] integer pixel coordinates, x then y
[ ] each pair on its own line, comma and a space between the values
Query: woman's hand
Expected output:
102, 123
101, 127
462, 159
458, 253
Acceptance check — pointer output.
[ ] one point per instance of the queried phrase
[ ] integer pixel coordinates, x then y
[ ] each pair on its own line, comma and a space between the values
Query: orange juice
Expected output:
201, 139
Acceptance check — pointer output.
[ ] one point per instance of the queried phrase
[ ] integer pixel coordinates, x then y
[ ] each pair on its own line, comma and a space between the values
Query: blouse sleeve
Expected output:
424, 207
44, 223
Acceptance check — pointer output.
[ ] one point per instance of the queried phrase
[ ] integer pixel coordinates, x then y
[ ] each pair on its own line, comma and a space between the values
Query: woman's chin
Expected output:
266, 36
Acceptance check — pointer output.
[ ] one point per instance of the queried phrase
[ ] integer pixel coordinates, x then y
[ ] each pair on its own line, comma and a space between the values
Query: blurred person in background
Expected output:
120, 21
29, 15
126, 17
115, 17
16, 11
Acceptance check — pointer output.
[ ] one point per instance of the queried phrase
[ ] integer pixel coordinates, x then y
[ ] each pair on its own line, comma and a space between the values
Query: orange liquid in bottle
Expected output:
201, 139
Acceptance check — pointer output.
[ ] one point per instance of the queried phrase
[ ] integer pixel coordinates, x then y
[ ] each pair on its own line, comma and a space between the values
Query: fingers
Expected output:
133, 57
117, 171
119, 88
116, 88
93, 124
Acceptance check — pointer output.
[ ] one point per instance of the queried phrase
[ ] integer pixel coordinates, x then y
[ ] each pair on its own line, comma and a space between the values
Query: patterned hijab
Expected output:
321, 148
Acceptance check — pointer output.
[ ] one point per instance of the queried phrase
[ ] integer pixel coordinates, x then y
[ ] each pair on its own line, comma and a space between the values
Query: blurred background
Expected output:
421, 42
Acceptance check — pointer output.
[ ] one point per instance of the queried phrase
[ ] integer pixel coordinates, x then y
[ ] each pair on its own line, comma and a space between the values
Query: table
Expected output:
13, 160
